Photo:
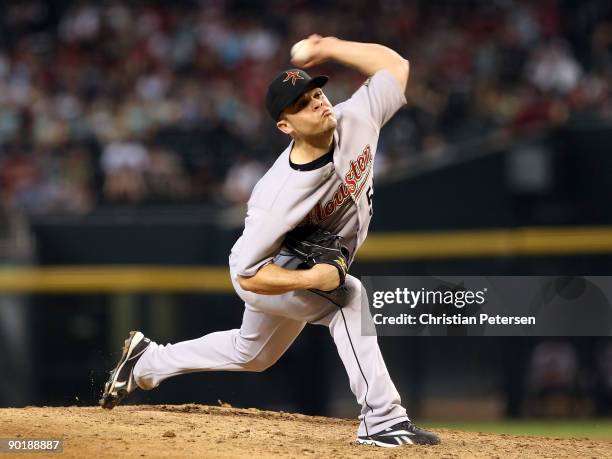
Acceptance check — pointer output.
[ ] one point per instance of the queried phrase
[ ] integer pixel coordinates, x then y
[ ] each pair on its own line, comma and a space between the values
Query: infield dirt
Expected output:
204, 431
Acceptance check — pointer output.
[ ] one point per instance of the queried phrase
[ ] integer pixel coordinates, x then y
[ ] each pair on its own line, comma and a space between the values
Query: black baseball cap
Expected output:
287, 87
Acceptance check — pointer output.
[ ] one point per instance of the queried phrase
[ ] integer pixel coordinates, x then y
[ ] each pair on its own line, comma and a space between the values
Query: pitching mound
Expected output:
203, 431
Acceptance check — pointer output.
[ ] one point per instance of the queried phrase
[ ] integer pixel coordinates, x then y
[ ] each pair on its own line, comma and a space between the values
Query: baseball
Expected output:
301, 51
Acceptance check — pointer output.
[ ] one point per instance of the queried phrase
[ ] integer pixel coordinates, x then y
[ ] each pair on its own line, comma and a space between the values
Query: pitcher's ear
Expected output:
284, 125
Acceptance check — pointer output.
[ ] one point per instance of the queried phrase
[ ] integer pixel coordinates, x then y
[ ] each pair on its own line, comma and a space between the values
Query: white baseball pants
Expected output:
269, 325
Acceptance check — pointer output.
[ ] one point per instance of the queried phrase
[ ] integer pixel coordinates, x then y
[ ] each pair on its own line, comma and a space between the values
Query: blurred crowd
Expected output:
161, 102
562, 382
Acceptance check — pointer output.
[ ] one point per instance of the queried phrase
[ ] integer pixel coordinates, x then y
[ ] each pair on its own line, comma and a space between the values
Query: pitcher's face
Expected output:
312, 114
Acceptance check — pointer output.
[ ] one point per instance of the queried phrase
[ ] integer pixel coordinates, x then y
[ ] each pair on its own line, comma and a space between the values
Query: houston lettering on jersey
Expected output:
354, 183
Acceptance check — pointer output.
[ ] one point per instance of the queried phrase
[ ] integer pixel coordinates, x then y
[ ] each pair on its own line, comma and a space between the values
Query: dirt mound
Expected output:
204, 431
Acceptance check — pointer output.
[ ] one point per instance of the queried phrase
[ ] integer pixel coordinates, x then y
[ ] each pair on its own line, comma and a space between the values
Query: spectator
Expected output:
552, 68
165, 176
124, 165
553, 379
241, 179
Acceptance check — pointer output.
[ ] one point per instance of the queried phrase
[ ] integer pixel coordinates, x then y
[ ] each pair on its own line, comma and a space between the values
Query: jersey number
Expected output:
370, 196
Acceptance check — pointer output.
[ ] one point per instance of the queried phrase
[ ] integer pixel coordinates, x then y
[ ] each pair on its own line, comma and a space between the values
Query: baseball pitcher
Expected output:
306, 219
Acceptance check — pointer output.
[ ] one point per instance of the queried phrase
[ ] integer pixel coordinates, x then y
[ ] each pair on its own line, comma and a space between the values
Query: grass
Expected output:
600, 429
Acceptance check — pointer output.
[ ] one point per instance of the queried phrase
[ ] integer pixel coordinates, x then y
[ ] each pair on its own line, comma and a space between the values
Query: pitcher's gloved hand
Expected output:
315, 245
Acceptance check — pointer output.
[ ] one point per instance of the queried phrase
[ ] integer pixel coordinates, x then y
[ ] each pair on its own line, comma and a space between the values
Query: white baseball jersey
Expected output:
335, 195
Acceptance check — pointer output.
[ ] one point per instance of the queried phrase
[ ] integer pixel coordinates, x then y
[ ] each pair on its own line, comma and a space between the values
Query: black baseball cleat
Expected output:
403, 433
121, 382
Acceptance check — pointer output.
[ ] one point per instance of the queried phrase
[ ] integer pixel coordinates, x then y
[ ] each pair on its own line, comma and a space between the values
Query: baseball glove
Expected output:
315, 245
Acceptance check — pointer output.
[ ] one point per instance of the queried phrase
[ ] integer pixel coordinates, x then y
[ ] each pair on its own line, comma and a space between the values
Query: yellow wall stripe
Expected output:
115, 279
487, 243
378, 247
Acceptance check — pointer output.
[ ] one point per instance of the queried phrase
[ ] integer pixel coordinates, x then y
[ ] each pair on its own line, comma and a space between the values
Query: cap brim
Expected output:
316, 82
